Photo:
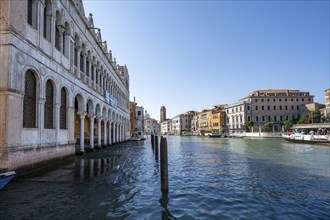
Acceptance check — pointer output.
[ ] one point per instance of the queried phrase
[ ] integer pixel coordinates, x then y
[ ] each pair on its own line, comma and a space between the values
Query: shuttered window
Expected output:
63, 109
30, 101
49, 106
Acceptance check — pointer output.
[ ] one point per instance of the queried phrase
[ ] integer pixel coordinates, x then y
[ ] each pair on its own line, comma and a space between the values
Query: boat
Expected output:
5, 178
215, 135
309, 134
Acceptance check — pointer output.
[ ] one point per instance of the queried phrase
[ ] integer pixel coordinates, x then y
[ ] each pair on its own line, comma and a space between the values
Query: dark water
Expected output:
208, 179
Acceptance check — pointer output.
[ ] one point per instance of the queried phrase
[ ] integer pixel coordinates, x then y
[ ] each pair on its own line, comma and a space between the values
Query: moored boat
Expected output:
309, 134
215, 136
5, 178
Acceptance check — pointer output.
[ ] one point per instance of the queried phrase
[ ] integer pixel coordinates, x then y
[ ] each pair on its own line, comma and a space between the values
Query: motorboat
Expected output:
5, 178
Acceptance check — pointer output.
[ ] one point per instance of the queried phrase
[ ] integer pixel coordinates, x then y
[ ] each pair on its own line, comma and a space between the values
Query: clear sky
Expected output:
191, 55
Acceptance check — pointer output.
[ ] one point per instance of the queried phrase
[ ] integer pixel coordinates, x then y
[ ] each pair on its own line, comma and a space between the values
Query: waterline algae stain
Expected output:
208, 179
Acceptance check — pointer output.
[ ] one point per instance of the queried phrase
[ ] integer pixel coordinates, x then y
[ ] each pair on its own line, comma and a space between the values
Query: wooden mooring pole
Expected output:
152, 141
156, 147
163, 164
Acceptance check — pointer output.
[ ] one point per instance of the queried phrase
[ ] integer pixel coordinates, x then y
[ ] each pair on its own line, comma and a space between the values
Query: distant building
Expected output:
263, 106
165, 127
181, 124
162, 114
218, 119
205, 121
325, 112
151, 125
194, 124
236, 116
136, 120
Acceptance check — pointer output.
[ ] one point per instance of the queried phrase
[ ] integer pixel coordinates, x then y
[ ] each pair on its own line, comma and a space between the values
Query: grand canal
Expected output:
208, 179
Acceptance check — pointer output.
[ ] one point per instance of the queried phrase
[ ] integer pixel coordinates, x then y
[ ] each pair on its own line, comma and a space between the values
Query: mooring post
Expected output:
152, 141
156, 147
163, 165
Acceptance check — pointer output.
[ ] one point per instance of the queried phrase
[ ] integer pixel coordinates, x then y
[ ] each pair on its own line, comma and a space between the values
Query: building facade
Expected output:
263, 106
59, 85
205, 121
325, 112
218, 119
136, 120
162, 114
165, 127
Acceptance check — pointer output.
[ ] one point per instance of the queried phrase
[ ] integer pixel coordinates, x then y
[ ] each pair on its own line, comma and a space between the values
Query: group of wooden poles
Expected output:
163, 159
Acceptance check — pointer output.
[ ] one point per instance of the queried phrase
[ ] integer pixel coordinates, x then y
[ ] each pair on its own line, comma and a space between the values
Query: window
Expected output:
248, 118
280, 107
286, 107
281, 118
262, 100
274, 107
49, 106
30, 101
63, 109
256, 108
256, 100
47, 20
297, 107
292, 107
274, 100
262, 107
32, 14
263, 118
248, 108
257, 118
268, 107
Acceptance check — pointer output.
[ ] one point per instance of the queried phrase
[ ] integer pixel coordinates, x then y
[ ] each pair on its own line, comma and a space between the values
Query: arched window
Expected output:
63, 109
87, 67
30, 101
32, 13
49, 106
47, 20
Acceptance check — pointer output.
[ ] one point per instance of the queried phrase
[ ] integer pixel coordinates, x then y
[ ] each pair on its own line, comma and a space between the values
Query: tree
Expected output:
269, 126
249, 124
303, 119
288, 124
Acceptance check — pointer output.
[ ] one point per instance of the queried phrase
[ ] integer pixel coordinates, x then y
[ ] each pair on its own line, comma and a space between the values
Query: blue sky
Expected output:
191, 55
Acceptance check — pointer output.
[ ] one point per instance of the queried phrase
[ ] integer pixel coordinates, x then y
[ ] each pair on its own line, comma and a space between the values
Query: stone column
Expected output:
91, 118
52, 32
99, 132
61, 30
109, 141
78, 61
40, 119
105, 132
71, 122
82, 131
114, 133
57, 122
41, 8
71, 53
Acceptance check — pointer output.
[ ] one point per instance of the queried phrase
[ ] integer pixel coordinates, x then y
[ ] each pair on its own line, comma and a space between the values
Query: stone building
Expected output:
151, 125
162, 114
136, 120
325, 112
181, 124
205, 121
59, 85
165, 127
218, 119
263, 106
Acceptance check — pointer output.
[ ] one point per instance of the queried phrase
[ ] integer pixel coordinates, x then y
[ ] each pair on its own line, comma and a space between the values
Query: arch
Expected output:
98, 110
30, 100
47, 20
79, 102
90, 107
76, 48
63, 108
49, 105
104, 112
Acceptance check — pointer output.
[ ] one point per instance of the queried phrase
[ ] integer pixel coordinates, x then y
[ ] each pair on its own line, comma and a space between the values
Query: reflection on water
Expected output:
208, 179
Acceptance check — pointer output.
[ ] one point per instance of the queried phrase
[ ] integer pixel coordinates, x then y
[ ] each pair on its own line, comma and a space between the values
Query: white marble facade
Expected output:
80, 95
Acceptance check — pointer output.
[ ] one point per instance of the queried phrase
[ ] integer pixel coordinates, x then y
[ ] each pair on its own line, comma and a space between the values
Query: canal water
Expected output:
214, 178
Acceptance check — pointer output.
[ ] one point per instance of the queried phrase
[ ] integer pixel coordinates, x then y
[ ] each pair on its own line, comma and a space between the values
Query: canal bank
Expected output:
208, 179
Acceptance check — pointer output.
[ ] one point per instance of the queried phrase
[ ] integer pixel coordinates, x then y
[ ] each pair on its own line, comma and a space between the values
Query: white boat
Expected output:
309, 134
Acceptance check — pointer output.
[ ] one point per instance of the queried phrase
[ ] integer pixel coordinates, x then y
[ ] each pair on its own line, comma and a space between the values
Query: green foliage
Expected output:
249, 124
288, 124
268, 126
303, 119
